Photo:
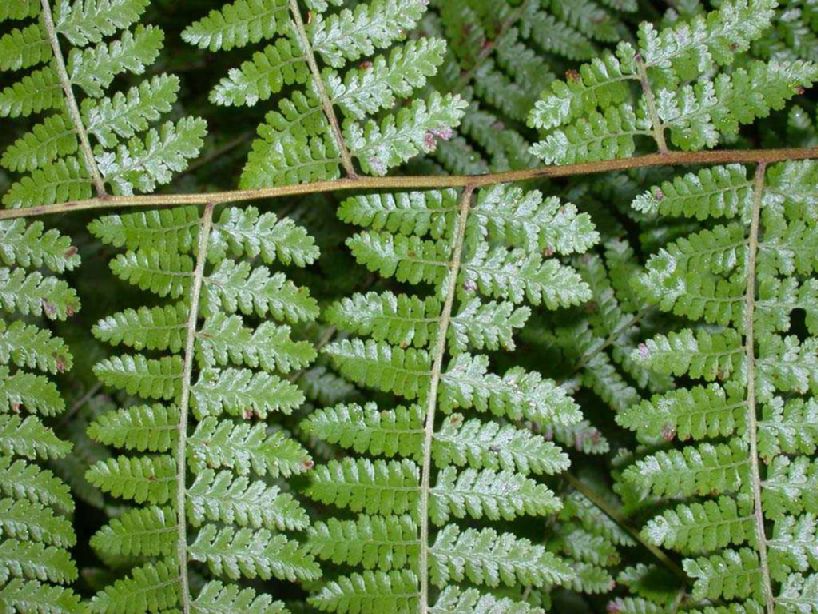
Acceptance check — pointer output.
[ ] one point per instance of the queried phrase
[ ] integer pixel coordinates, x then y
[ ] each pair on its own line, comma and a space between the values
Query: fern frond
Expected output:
728, 275
595, 113
216, 370
417, 346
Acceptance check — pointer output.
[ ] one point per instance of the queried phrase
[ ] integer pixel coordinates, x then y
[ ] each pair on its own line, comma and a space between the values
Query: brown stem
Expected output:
675, 158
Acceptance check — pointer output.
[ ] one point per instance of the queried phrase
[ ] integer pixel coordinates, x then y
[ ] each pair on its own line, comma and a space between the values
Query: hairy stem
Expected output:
431, 400
184, 403
752, 426
655, 122
326, 102
71, 102
423, 181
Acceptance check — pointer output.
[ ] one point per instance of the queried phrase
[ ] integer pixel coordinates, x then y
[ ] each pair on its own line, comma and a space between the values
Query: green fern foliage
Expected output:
682, 79
751, 418
36, 532
333, 112
129, 150
500, 58
481, 261
199, 457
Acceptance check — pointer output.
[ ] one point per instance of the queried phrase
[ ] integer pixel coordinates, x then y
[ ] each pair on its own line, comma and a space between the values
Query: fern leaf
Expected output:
94, 68
155, 378
270, 70
695, 470
149, 587
26, 345
376, 487
695, 413
399, 137
486, 557
252, 554
489, 494
35, 92
92, 20
454, 600
246, 232
27, 245
517, 277
33, 596
369, 430
350, 35
146, 328
34, 561
703, 527
381, 366
238, 24
58, 182
239, 287
52, 139
489, 445
518, 394
35, 294
22, 480
222, 497
245, 448
139, 427
23, 48
240, 392
28, 521
122, 116
142, 478
218, 598
373, 542
370, 591
30, 438
225, 340
149, 531
149, 161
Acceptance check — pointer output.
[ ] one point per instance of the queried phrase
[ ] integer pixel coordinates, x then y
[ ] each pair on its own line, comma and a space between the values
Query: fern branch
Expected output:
416, 182
184, 403
71, 102
321, 90
752, 425
603, 505
437, 368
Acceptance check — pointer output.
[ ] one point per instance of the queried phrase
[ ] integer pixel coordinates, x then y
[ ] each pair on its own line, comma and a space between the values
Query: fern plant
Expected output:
101, 140
748, 430
483, 415
35, 506
428, 471
336, 115
206, 488
681, 79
